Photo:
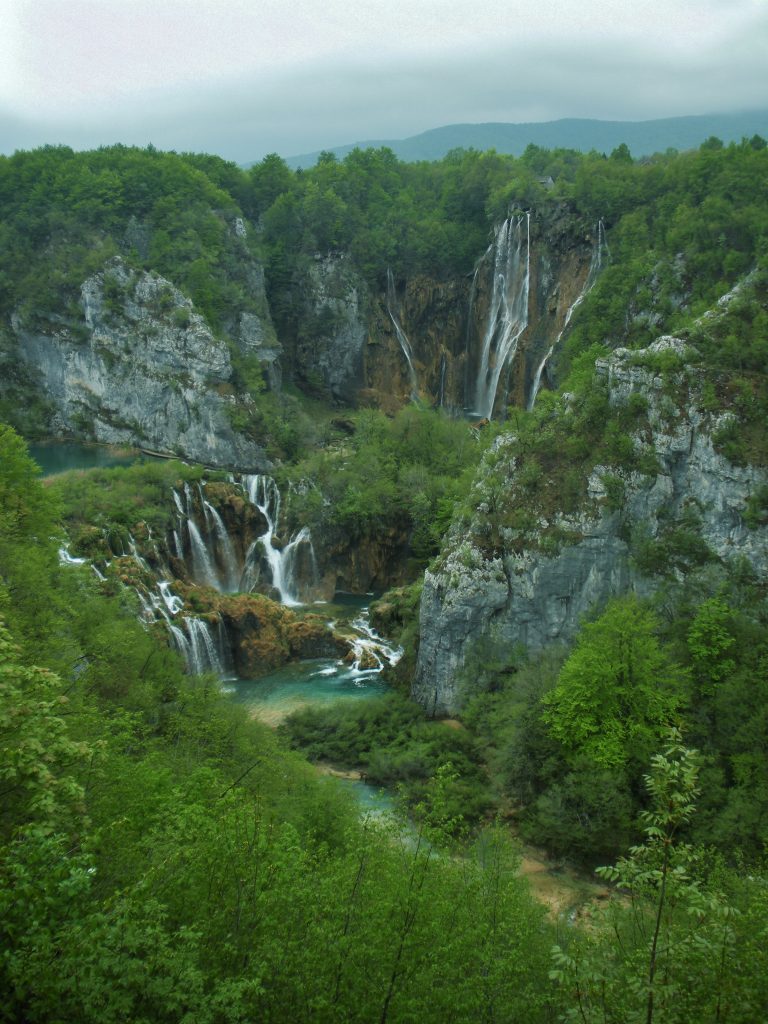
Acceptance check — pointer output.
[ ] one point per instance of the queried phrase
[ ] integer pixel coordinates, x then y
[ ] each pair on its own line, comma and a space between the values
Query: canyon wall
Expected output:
519, 591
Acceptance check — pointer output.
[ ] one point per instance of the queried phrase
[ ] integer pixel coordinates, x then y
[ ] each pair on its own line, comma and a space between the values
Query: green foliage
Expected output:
403, 475
756, 511
35, 747
66, 214
393, 743
118, 500
677, 548
197, 870
641, 959
617, 692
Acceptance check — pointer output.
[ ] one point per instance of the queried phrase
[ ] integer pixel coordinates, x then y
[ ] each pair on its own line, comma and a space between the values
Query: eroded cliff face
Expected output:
328, 351
519, 590
362, 566
422, 337
142, 368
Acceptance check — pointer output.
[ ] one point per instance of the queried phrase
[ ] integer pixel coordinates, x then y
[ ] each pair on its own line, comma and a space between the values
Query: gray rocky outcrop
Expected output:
142, 368
528, 593
329, 350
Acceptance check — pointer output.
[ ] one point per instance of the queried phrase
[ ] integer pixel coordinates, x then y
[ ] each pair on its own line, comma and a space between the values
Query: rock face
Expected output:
527, 594
263, 635
141, 368
350, 341
361, 566
329, 348
448, 324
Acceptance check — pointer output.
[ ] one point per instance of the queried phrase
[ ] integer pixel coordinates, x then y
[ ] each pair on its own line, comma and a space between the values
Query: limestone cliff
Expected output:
531, 584
328, 351
140, 366
425, 337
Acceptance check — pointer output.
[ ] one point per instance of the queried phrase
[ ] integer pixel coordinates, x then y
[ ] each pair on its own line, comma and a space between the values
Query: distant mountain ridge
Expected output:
642, 137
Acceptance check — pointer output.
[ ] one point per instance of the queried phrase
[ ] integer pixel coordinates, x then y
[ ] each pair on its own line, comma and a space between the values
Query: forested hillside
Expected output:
519, 401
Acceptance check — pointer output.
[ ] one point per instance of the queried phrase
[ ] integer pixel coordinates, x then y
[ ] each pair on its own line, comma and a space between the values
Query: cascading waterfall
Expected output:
595, 265
203, 654
214, 561
231, 568
508, 313
66, 559
177, 545
602, 244
195, 642
371, 649
202, 564
172, 601
405, 345
263, 492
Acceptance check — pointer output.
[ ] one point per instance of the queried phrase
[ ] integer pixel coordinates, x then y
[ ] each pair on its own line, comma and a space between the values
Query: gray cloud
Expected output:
331, 104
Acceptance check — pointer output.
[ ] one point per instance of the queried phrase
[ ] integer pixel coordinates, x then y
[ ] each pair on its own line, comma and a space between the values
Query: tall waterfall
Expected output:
599, 249
263, 492
405, 345
508, 313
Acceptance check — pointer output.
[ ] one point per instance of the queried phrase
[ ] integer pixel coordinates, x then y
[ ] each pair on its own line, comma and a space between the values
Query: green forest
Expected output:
164, 855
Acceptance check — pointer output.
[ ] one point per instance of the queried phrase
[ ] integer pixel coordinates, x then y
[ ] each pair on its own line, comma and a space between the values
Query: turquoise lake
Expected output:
60, 456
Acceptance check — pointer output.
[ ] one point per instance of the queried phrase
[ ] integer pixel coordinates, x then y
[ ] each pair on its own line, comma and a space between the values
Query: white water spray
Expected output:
202, 564
508, 313
203, 655
231, 569
371, 649
262, 492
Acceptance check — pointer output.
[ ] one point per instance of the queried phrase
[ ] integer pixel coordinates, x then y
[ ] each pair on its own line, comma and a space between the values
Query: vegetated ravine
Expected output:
516, 409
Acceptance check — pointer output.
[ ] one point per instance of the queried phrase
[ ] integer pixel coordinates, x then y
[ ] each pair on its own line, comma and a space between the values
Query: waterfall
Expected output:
263, 492
508, 313
202, 566
134, 553
172, 601
368, 646
182, 645
202, 652
66, 559
443, 367
231, 570
602, 244
595, 266
288, 559
203, 655
405, 345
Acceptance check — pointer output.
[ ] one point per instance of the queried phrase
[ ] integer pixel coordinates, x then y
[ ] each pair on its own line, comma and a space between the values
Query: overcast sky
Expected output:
247, 77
